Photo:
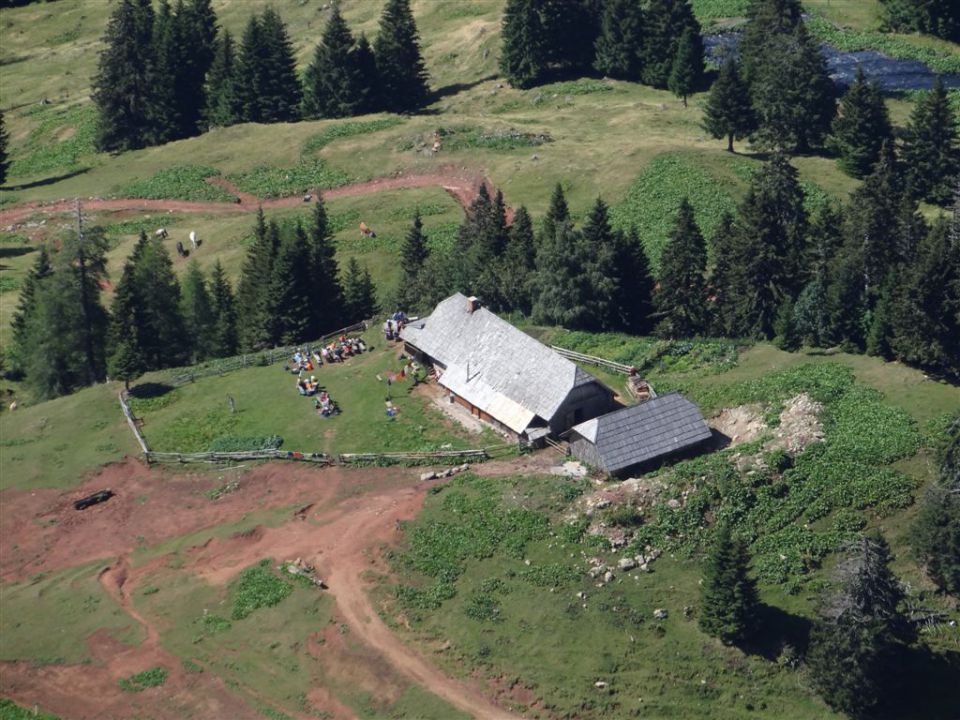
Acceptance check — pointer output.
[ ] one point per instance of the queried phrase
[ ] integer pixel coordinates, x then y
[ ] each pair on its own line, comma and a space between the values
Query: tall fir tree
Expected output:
728, 595
123, 85
400, 69
722, 245
619, 48
198, 28
4, 150
269, 90
359, 293
223, 307
126, 361
766, 20
634, 297
793, 96
561, 287
605, 286
163, 339
332, 82
935, 17
83, 257
557, 214
413, 258
197, 308
518, 264
681, 297
570, 31
252, 290
169, 57
930, 149
665, 22
223, 106
766, 255
523, 53
39, 271
728, 112
860, 128
290, 290
327, 305
686, 72
368, 90
854, 644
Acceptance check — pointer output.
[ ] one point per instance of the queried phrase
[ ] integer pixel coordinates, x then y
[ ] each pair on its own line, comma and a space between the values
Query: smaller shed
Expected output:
640, 435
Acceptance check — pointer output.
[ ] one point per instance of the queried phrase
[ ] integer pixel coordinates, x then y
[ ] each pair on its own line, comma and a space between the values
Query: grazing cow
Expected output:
180, 250
193, 239
161, 233
308, 197
366, 231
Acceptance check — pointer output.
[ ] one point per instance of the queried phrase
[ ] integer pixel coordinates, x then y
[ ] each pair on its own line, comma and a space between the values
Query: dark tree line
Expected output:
169, 74
657, 43
936, 17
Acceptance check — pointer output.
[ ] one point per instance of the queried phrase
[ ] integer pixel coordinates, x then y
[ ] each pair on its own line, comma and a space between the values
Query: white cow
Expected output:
193, 239
161, 233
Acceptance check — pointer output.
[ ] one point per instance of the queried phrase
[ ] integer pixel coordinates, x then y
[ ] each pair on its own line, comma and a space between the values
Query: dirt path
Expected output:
338, 520
459, 183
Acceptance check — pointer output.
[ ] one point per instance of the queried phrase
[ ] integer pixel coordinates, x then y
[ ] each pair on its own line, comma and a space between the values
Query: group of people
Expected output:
394, 324
325, 405
307, 386
306, 359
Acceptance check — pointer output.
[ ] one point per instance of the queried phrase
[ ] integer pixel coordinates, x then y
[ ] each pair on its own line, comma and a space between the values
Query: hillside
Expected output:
476, 593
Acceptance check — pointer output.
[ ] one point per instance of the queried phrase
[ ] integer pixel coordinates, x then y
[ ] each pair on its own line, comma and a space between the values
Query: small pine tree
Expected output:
665, 22
523, 55
332, 81
931, 150
681, 296
728, 112
223, 106
223, 306
359, 293
289, 293
729, 599
518, 264
162, 334
413, 257
686, 72
368, 89
327, 306
400, 69
557, 214
126, 363
197, 308
604, 279
786, 335
620, 45
252, 290
40, 270
860, 128
635, 296
562, 291
4, 150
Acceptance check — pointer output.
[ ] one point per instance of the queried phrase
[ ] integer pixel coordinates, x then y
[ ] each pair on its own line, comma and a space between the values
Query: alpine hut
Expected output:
640, 436
501, 374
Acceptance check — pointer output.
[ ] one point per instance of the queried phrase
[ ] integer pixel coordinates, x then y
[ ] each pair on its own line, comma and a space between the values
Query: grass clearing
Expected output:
61, 140
274, 182
258, 587
317, 142
181, 182
71, 601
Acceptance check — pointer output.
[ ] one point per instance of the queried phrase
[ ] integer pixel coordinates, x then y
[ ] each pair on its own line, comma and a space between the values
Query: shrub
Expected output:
155, 677
235, 443
258, 587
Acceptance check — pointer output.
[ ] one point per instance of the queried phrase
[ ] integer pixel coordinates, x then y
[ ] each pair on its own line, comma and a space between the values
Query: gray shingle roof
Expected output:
492, 364
639, 433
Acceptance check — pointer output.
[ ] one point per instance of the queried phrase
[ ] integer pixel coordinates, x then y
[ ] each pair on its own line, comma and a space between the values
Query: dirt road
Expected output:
460, 184
340, 519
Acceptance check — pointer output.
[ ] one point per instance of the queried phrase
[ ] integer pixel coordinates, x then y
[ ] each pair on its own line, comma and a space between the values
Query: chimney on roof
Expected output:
472, 304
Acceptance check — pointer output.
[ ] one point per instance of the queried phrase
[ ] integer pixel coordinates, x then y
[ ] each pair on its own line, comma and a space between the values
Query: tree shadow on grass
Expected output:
455, 88
930, 685
778, 628
10, 252
48, 181
147, 390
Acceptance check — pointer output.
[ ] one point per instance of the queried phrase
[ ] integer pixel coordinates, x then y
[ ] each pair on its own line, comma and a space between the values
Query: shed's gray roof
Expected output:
490, 362
639, 433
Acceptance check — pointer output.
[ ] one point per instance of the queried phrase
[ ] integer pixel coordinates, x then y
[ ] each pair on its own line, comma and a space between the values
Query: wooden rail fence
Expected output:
592, 360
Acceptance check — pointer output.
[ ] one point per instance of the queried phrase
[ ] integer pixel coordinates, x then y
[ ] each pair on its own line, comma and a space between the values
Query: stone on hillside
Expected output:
428, 476
627, 563
660, 614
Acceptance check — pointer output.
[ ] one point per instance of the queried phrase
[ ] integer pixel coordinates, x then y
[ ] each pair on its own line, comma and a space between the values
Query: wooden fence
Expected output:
132, 422
592, 360
266, 357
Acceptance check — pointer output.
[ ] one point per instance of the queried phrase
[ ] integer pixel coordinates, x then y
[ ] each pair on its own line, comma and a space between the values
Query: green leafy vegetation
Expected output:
9, 710
274, 182
652, 202
715, 9
462, 138
62, 141
181, 182
346, 129
258, 588
586, 86
154, 677
232, 443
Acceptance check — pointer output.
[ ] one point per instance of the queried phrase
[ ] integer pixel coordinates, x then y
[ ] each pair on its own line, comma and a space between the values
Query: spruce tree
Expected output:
400, 69
523, 54
766, 20
766, 254
223, 306
255, 277
4, 150
930, 149
681, 296
728, 595
846, 304
856, 639
728, 112
269, 90
635, 293
860, 128
359, 292
413, 257
557, 214
561, 287
123, 85
619, 48
125, 362
223, 106
169, 57
198, 28
368, 82
665, 22
793, 96
197, 308
722, 246
570, 31
686, 72
290, 290
332, 81
327, 298
517, 265
604, 279
163, 339
40, 270
83, 257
